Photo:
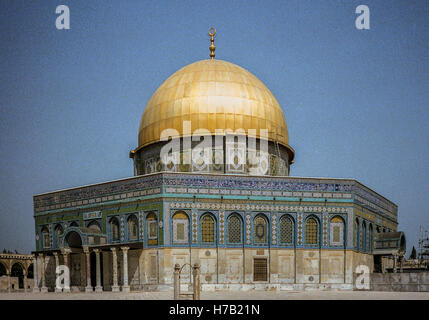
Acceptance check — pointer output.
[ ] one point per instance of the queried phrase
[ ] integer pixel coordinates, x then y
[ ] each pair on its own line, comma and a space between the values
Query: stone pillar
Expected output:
176, 281
115, 287
88, 287
395, 268
196, 274
9, 286
35, 276
125, 286
98, 288
25, 280
401, 263
57, 263
44, 289
66, 254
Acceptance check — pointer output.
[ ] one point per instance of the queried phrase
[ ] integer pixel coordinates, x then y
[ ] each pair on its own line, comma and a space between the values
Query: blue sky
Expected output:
356, 101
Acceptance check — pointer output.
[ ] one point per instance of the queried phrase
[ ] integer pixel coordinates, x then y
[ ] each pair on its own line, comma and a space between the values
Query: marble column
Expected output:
115, 287
176, 281
9, 285
44, 289
35, 276
98, 288
125, 286
88, 287
67, 284
57, 263
197, 286
25, 280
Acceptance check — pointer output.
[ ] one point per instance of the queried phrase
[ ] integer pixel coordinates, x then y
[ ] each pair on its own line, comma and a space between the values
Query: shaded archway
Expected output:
30, 272
73, 240
3, 269
18, 272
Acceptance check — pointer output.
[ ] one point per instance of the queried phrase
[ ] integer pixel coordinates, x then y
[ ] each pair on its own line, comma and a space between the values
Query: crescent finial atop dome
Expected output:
212, 47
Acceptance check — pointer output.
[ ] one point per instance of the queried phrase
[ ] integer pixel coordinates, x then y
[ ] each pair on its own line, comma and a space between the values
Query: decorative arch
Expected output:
74, 224
286, 231
73, 238
133, 227
152, 228
208, 228
58, 232
312, 233
260, 229
337, 234
180, 228
363, 236
235, 228
114, 229
94, 225
3, 269
46, 241
18, 270
371, 238
356, 233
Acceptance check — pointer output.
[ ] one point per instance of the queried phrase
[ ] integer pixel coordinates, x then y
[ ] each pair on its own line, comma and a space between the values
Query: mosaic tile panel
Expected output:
248, 228
274, 229
221, 227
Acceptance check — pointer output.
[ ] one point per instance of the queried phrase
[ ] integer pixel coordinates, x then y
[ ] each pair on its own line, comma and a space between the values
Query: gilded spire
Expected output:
212, 47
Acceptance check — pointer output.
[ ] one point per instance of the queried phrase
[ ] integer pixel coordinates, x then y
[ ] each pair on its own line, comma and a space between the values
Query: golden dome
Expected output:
213, 94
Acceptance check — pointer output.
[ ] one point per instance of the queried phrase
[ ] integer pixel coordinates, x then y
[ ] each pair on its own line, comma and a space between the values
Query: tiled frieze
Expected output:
255, 207
216, 185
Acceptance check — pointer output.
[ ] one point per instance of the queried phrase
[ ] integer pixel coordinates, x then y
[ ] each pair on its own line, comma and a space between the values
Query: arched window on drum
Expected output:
58, 234
371, 239
208, 229
363, 242
356, 233
286, 230
152, 228
180, 228
114, 229
133, 228
235, 227
260, 230
94, 225
337, 231
312, 231
46, 241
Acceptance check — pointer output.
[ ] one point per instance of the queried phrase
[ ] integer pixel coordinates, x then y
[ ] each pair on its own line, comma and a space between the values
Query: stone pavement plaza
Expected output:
224, 295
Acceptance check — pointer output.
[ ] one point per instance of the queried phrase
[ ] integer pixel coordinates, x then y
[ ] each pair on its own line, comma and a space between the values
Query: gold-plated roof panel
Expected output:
213, 94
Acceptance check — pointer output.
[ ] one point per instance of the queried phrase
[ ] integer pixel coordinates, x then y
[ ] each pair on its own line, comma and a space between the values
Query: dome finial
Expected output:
212, 47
